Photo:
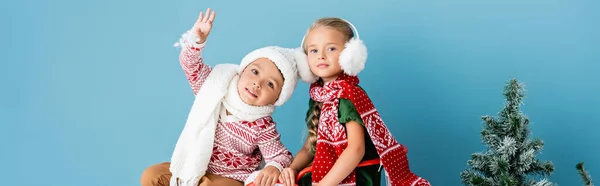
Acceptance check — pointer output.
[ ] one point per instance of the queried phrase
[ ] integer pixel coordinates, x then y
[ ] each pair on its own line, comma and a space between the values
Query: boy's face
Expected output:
260, 83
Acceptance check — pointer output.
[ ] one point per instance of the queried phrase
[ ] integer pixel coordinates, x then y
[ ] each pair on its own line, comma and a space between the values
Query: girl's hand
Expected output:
203, 25
288, 177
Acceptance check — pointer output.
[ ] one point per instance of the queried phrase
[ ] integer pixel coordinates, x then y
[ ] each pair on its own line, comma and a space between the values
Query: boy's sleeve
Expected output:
190, 59
272, 149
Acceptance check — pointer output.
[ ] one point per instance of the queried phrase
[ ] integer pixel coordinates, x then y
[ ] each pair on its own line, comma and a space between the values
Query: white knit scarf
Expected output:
194, 147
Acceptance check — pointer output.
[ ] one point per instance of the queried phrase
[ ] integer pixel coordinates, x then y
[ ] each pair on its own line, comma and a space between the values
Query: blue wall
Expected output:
93, 93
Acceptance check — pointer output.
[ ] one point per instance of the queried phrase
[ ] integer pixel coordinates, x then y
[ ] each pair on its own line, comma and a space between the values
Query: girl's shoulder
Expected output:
347, 112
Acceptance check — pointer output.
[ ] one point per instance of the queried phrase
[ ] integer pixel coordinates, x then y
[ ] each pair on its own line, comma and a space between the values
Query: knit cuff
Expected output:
188, 39
276, 165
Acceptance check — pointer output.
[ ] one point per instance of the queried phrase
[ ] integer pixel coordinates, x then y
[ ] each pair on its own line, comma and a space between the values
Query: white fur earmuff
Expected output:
352, 59
354, 56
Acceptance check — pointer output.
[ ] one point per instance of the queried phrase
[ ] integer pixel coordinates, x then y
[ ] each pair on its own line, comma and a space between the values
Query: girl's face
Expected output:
323, 47
260, 83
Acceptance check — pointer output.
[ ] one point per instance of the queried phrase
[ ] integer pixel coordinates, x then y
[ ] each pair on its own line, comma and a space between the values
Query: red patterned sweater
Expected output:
239, 146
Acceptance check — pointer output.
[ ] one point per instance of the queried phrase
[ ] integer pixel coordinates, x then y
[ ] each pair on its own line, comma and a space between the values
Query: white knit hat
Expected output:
286, 59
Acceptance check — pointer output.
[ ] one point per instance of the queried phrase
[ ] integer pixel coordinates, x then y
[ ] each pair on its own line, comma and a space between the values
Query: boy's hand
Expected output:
267, 177
203, 25
288, 177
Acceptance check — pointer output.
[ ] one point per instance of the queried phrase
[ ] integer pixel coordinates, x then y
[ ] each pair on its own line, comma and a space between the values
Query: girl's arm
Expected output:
351, 156
303, 157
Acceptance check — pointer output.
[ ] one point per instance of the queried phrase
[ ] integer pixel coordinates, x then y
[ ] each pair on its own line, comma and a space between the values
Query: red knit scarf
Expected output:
332, 139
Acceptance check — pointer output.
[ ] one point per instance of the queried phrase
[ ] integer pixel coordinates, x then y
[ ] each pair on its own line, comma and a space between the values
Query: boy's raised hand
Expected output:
203, 25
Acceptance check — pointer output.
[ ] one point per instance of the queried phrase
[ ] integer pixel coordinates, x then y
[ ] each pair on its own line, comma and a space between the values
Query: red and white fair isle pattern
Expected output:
332, 138
193, 66
239, 146
235, 153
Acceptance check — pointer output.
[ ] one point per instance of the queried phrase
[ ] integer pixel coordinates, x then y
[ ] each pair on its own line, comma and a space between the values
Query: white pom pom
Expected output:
353, 58
188, 38
303, 69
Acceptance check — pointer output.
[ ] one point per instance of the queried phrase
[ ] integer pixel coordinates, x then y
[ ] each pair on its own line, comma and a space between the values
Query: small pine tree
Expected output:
587, 180
510, 156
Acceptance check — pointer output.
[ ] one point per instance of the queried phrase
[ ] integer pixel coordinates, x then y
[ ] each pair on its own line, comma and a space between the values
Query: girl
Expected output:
229, 129
347, 142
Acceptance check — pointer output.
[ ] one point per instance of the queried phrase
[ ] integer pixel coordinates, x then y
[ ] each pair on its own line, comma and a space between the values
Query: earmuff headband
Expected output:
354, 31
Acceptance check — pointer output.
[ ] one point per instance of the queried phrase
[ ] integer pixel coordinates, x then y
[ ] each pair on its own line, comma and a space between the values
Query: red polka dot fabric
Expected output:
332, 139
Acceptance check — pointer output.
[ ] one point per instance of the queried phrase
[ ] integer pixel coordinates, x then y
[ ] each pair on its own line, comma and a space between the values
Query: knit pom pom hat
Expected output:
286, 60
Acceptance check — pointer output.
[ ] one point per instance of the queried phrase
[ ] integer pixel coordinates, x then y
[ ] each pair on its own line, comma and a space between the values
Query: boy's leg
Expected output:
160, 175
156, 175
216, 180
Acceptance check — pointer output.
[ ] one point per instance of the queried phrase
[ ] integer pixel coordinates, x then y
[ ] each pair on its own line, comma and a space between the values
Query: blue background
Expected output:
92, 92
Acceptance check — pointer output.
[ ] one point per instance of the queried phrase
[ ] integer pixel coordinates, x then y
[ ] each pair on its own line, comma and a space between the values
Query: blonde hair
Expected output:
313, 120
334, 23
